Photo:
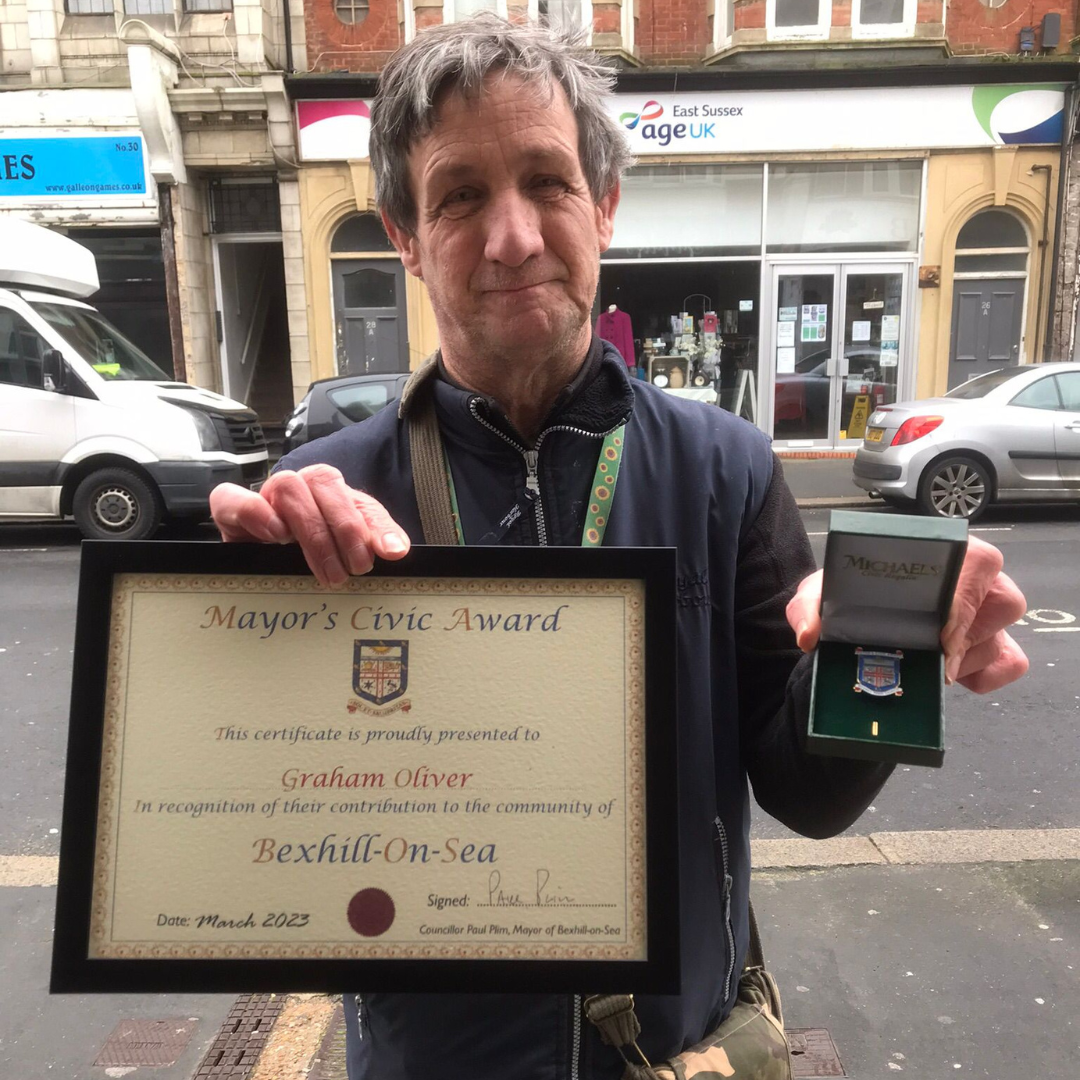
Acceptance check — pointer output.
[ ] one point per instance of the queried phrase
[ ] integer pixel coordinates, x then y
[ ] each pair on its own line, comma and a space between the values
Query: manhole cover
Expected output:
813, 1053
146, 1042
233, 1054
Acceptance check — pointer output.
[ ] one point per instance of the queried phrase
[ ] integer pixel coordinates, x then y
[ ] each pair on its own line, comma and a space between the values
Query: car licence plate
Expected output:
874, 434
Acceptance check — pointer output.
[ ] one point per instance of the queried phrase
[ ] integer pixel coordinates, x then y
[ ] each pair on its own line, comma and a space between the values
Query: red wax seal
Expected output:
371, 912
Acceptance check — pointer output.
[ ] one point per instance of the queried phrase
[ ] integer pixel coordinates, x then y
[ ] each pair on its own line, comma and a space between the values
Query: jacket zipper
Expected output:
532, 462
575, 1050
721, 835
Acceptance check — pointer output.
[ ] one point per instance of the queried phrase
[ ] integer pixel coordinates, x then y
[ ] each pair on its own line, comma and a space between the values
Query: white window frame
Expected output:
818, 31
586, 16
450, 10
862, 31
721, 31
627, 26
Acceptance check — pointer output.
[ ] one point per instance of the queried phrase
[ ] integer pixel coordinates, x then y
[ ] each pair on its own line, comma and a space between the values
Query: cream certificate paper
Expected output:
402, 768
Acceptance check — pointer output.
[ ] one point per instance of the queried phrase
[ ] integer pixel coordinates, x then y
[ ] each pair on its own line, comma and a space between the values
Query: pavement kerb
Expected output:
837, 502
947, 846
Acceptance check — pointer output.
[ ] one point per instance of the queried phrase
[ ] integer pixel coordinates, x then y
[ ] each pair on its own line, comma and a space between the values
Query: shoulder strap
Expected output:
428, 458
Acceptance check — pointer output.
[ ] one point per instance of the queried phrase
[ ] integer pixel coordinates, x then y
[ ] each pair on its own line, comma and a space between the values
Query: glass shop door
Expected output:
838, 339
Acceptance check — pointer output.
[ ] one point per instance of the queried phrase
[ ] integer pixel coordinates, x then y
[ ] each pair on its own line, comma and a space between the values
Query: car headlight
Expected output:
209, 439
296, 420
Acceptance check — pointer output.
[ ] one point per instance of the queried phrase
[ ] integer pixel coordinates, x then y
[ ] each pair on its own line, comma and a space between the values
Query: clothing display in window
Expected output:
614, 326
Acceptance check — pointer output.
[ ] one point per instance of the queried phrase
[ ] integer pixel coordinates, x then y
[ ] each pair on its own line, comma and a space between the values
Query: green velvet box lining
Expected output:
910, 728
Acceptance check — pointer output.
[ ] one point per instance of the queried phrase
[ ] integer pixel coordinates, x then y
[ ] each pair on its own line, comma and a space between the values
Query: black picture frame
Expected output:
73, 971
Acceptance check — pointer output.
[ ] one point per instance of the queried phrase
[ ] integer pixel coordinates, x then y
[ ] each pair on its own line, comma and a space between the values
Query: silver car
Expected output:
1007, 436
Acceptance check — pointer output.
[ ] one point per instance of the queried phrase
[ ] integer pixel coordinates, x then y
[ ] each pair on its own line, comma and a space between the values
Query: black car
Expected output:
335, 403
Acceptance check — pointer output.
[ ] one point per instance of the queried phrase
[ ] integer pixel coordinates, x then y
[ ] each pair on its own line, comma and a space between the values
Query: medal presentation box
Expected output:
454, 773
879, 669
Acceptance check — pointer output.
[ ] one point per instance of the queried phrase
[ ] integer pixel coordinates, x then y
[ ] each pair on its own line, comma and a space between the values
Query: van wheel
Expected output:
116, 504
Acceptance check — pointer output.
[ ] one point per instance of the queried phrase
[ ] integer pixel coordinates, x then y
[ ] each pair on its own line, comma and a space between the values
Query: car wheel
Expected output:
116, 504
955, 487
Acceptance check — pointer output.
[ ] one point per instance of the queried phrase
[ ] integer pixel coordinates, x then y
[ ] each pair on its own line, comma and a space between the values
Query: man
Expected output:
498, 179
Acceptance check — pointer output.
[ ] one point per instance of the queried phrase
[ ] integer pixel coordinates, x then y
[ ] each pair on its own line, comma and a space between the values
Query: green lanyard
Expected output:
601, 495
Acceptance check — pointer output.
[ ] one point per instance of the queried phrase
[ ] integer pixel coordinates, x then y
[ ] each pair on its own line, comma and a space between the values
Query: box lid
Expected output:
890, 578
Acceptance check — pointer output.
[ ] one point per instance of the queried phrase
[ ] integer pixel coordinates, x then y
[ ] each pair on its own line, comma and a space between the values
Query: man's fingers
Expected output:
984, 603
388, 539
243, 515
296, 506
1010, 665
804, 612
337, 504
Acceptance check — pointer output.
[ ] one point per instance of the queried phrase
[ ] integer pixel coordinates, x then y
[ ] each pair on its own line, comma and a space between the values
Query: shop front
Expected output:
768, 244
75, 160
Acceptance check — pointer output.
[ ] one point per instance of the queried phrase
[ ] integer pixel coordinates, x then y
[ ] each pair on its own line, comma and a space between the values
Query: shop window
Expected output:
361, 232
883, 18
992, 242
244, 206
89, 7
807, 19
844, 206
352, 12
718, 212
687, 326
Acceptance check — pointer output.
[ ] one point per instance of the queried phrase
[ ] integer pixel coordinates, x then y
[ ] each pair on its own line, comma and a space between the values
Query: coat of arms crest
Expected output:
878, 673
380, 670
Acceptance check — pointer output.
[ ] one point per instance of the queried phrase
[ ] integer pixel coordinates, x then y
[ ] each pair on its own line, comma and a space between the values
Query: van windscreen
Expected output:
110, 354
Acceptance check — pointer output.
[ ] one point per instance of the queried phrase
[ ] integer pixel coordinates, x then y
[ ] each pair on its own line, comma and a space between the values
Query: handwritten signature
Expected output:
544, 895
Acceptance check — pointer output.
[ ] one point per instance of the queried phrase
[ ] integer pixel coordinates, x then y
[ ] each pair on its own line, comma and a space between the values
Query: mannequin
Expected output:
614, 325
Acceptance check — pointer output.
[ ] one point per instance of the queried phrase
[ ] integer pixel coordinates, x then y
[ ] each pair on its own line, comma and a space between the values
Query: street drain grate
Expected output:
813, 1054
233, 1054
146, 1042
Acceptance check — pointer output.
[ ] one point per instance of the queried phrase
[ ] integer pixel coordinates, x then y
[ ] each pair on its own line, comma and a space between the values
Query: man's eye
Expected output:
462, 195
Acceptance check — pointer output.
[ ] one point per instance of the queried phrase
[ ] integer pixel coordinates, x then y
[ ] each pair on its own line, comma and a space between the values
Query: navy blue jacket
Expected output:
705, 482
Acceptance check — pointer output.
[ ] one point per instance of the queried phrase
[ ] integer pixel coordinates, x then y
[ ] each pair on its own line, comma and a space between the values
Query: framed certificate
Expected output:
454, 773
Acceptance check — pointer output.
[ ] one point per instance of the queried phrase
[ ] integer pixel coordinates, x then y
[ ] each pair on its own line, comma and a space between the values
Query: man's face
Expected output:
508, 237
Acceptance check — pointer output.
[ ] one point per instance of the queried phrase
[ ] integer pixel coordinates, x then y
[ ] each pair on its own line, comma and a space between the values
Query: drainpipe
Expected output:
1044, 243
289, 67
1068, 133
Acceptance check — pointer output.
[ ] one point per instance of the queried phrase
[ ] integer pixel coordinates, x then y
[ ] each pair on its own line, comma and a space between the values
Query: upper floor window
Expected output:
723, 23
883, 18
195, 6
89, 7
149, 7
805, 19
456, 10
352, 12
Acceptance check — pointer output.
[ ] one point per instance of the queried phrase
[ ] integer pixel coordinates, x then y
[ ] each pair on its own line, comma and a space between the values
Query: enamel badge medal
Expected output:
878, 673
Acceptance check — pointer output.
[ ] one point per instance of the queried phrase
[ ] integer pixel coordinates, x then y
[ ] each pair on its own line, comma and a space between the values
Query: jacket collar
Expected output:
598, 399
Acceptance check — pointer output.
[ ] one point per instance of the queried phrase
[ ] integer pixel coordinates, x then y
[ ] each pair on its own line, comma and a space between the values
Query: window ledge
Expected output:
758, 55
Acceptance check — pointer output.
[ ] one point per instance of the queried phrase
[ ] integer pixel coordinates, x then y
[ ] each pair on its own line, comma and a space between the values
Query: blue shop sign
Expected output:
77, 168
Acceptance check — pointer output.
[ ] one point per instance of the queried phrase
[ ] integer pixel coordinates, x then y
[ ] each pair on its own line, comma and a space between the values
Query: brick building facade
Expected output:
828, 192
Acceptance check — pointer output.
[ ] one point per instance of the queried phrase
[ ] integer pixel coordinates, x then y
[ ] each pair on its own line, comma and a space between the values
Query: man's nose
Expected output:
513, 229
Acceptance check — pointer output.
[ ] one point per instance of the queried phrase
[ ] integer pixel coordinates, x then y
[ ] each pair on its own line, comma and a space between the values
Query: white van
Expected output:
90, 427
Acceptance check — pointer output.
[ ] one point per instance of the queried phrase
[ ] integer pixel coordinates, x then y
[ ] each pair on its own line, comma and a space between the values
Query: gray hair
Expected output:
460, 56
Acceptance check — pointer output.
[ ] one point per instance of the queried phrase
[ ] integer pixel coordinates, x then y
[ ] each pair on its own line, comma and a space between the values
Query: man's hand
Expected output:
979, 654
339, 529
